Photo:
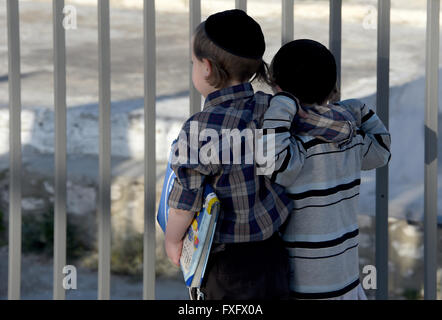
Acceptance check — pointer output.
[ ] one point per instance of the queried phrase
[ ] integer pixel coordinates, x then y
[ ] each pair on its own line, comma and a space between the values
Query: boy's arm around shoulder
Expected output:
323, 122
376, 138
286, 152
327, 123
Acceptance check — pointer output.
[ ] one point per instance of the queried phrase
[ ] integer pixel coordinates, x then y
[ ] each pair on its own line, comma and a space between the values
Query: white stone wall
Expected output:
127, 130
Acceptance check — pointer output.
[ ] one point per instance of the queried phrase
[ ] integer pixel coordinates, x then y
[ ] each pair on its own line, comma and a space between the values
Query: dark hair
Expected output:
226, 66
306, 69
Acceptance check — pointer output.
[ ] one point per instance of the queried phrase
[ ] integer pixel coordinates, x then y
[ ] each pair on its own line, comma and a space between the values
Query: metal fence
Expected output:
103, 209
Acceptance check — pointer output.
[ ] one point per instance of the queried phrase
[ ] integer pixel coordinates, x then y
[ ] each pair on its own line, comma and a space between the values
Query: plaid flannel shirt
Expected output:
331, 123
252, 207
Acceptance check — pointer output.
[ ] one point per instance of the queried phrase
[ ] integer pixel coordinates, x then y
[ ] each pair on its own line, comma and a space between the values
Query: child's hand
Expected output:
173, 250
177, 224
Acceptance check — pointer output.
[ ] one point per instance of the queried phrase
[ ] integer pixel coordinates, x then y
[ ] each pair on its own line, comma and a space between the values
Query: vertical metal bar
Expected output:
335, 35
104, 218
15, 165
431, 137
149, 150
60, 148
287, 30
383, 95
195, 20
241, 4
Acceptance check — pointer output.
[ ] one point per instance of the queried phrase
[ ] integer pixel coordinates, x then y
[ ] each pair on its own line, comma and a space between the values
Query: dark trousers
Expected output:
244, 271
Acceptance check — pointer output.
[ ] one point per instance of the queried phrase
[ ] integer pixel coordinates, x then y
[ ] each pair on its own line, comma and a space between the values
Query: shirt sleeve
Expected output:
191, 174
328, 123
287, 152
377, 140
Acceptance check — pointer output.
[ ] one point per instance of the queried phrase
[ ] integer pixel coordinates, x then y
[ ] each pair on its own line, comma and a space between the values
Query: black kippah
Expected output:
306, 69
237, 33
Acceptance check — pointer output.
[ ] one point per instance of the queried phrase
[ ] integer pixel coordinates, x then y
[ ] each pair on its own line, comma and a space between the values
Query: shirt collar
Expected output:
239, 91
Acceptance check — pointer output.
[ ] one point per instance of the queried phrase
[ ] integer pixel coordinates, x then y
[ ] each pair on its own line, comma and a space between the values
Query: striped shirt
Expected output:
323, 179
252, 207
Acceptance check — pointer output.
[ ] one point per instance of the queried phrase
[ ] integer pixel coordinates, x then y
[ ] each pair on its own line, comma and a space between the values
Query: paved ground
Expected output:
37, 283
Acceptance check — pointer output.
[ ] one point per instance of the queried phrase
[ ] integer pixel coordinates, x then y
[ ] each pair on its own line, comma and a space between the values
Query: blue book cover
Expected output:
199, 237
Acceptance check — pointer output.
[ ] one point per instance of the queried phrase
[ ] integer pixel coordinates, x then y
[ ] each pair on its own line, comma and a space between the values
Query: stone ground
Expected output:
37, 283
358, 80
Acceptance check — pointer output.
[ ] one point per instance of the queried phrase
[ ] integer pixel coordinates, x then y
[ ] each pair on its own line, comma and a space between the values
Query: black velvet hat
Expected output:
237, 33
306, 69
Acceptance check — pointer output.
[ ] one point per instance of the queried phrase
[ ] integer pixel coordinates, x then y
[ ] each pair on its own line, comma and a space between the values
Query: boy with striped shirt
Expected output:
321, 178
